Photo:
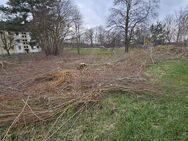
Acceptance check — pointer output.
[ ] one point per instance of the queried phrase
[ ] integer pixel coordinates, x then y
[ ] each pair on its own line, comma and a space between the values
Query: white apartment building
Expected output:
21, 44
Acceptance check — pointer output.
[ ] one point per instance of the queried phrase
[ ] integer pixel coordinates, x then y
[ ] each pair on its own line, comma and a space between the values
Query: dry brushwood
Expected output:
75, 84
15, 120
4, 64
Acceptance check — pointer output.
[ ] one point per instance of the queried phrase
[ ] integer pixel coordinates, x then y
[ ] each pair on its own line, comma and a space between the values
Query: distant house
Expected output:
21, 44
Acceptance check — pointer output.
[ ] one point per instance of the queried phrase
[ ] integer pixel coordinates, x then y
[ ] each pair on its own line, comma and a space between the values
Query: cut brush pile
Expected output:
28, 98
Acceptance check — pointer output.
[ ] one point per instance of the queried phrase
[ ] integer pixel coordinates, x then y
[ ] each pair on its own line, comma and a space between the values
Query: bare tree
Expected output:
127, 15
53, 24
182, 25
90, 35
41, 25
50, 20
7, 39
69, 17
77, 25
101, 35
113, 39
141, 34
170, 26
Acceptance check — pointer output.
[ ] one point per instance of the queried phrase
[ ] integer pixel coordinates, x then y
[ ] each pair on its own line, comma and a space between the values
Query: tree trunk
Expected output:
126, 31
126, 47
126, 40
178, 36
8, 52
55, 46
55, 51
91, 42
127, 43
78, 49
78, 46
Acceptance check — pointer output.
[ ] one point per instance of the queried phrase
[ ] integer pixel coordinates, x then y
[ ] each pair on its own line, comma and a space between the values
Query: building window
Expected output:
18, 40
33, 47
19, 47
17, 33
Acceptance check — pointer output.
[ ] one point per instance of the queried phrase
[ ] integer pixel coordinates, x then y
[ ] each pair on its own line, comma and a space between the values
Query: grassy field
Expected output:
172, 74
123, 116
96, 51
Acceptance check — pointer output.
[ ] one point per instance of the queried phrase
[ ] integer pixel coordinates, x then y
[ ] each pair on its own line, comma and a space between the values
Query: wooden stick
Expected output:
32, 111
46, 139
16, 119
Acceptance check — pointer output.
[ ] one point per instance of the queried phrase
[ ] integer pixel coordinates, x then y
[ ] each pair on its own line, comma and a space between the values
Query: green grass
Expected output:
122, 116
172, 74
96, 51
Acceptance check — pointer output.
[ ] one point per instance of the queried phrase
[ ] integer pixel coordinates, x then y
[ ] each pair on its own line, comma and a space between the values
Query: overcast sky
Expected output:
95, 12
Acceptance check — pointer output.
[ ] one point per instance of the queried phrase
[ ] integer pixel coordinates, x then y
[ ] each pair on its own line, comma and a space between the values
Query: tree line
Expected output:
51, 22
54, 23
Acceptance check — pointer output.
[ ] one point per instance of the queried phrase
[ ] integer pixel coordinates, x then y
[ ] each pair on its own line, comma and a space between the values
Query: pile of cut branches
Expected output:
50, 95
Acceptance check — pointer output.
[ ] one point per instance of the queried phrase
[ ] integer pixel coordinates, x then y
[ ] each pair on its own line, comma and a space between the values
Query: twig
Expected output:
2, 67
32, 110
56, 121
46, 139
16, 119
151, 55
131, 78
